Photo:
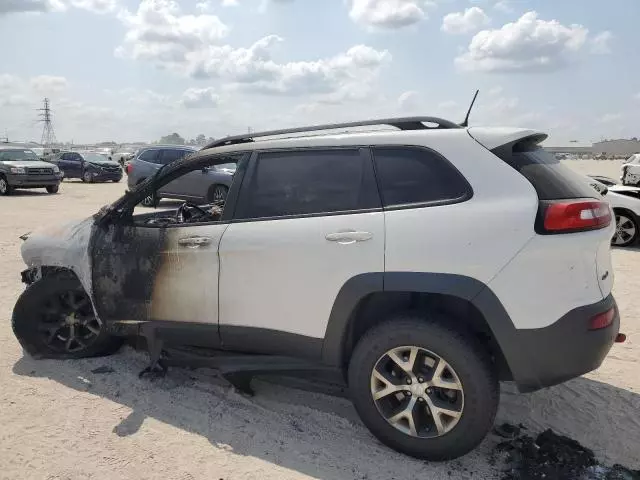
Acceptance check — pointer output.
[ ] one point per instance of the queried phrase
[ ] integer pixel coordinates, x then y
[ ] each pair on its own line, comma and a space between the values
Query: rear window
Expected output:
551, 179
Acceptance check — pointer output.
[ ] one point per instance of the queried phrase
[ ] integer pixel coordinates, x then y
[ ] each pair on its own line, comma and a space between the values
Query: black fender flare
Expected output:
470, 289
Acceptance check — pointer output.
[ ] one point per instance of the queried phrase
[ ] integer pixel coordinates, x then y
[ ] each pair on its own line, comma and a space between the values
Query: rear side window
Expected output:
551, 179
150, 156
169, 156
308, 182
412, 175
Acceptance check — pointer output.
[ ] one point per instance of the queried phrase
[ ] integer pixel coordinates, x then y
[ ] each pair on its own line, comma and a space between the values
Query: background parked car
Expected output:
631, 171
202, 186
625, 201
21, 168
90, 167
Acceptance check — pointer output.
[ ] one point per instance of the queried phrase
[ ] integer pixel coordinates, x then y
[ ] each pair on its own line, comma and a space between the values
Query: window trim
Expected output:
468, 194
253, 163
124, 211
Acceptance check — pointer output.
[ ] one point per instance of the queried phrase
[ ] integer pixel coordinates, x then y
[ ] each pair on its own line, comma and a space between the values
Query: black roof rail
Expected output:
401, 123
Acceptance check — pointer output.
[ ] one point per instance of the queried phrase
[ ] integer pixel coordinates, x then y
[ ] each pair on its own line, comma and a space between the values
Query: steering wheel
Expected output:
183, 214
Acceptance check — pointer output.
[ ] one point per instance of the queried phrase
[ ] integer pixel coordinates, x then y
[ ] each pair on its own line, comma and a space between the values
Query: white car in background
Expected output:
625, 201
631, 171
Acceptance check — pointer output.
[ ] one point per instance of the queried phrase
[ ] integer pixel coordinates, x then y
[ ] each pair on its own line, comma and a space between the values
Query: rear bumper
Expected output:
564, 350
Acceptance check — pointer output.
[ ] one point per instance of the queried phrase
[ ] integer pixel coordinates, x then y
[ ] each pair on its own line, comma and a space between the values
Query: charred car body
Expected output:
337, 252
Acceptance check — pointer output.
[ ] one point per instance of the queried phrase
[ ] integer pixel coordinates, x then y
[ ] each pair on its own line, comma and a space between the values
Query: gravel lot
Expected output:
58, 420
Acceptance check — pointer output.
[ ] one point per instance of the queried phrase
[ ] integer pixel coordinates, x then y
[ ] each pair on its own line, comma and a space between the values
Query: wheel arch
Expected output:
368, 299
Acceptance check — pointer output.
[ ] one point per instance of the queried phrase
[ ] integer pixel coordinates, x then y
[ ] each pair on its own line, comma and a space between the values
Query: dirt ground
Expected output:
60, 420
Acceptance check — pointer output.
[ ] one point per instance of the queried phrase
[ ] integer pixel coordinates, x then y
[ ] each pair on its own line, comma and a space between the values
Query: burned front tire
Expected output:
422, 388
54, 318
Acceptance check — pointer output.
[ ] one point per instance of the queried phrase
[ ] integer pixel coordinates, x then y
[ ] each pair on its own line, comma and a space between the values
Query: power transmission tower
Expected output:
48, 135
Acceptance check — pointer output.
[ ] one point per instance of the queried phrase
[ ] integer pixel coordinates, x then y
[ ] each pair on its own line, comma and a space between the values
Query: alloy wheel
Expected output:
417, 392
4, 186
219, 193
626, 230
68, 323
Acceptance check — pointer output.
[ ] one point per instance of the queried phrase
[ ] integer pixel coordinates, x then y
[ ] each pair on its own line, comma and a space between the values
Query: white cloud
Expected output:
48, 84
600, 43
529, 44
200, 98
159, 32
470, 20
229, 3
388, 13
253, 67
15, 100
504, 6
19, 6
191, 44
408, 99
610, 117
8, 82
41, 6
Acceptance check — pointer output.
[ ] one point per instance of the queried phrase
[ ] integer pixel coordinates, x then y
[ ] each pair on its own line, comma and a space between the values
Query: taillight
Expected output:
602, 320
128, 168
575, 216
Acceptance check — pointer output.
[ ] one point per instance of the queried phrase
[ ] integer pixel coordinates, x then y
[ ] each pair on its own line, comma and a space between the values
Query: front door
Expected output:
167, 274
306, 222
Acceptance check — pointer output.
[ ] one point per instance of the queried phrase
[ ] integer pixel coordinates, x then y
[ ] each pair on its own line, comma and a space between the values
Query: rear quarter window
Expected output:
416, 176
551, 179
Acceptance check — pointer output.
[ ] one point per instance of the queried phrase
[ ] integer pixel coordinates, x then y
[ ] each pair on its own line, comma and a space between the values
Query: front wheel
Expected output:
87, 177
53, 189
422, 388
626, 230
54, 318
5, 188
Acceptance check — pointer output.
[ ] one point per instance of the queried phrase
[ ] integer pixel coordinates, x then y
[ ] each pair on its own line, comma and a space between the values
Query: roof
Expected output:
183, 147
401, 123
13, 147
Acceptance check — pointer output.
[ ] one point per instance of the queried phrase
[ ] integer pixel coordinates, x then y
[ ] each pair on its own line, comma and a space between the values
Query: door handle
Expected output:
349, 236
194, 242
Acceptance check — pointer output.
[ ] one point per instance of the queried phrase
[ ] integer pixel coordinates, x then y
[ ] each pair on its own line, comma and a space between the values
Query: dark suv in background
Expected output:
203, 186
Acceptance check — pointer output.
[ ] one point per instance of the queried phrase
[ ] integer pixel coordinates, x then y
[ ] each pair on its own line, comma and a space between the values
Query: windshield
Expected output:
94, 157
18, 156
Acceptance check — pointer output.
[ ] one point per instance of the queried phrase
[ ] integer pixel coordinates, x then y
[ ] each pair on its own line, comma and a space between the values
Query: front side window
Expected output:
413, 175
308, 182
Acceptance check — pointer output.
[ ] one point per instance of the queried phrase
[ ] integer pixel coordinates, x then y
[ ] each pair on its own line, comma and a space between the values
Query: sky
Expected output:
135, 70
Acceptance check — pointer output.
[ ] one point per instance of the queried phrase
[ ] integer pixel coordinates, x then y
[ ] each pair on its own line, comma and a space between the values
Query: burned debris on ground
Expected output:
550, 456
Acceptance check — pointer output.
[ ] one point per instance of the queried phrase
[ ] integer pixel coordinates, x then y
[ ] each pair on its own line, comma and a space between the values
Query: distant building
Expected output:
620, 147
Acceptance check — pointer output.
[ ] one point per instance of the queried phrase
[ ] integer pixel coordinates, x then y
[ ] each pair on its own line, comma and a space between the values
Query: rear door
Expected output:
306, 222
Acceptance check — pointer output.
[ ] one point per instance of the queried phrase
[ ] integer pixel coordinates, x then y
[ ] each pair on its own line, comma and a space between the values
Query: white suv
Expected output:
422, 265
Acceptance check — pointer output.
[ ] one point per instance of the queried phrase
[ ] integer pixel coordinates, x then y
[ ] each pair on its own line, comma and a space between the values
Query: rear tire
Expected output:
217, 193
464, 410
53, 189
150, 201
54, 318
